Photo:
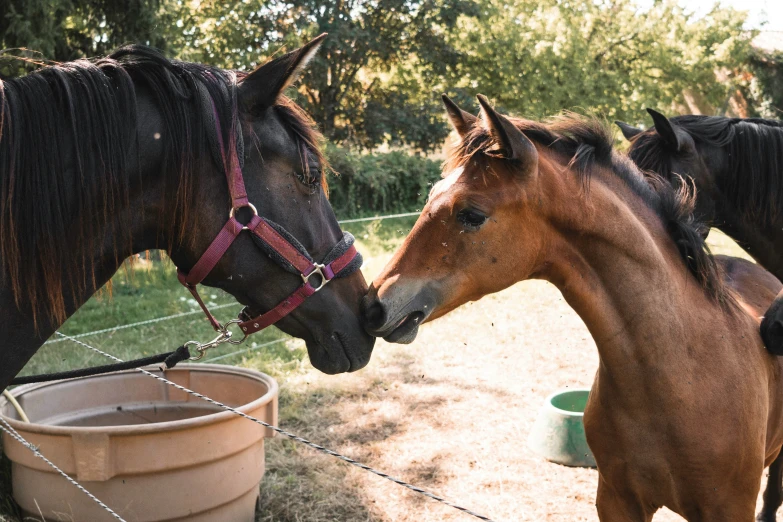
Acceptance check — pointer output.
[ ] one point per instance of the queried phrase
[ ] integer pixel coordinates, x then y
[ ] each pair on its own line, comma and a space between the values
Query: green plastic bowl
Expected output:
558, 434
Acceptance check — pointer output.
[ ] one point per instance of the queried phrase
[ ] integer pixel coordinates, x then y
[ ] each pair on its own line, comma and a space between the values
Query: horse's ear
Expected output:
629, 131
514, 144
260, 89
664, 129
462, 121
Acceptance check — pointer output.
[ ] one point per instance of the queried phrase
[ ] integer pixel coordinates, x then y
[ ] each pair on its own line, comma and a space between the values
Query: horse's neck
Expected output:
20, 335
762, 241
617, 268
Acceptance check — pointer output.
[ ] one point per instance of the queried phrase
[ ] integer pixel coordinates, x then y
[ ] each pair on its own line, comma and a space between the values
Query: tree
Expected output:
367, 84
64, 30
764, 87
379, 75
538, 57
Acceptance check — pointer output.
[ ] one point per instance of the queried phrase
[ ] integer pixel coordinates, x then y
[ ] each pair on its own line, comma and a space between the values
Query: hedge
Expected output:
379, 183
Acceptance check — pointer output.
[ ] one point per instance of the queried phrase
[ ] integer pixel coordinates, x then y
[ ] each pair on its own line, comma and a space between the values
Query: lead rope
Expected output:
288, 435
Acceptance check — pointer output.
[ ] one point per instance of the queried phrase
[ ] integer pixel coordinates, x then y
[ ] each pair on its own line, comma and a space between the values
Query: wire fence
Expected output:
224, 305
140, 323
378, 218
276, 429
75, 338
246, 350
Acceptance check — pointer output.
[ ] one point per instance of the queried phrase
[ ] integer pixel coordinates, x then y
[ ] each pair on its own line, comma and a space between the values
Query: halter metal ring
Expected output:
318, 269
231, 340
248, 205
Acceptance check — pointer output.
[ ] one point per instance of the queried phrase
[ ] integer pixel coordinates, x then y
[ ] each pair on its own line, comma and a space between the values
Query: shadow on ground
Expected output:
364, 420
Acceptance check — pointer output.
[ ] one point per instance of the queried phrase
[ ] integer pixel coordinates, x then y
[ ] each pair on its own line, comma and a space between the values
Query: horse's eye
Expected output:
310, 178
471, 219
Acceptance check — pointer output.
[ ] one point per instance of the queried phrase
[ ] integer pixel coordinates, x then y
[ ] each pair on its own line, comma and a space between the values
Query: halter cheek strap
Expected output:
281, 246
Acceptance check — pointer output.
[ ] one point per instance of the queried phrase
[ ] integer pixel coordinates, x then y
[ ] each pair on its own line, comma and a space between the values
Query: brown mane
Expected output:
584, 142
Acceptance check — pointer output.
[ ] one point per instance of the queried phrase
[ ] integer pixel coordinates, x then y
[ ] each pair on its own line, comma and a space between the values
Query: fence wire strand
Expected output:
249, 349
21, 440
378, 218
75, 339
291, 436
191, 312
140, 323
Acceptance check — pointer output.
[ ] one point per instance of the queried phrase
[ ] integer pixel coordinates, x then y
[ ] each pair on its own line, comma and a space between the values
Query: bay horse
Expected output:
737, 167
686, 409
102, 159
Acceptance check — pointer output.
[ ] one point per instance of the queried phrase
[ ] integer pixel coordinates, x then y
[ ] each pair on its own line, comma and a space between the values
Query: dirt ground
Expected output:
450, 412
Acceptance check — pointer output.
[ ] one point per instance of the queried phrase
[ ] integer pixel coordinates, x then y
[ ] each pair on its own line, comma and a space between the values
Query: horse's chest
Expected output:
663, 448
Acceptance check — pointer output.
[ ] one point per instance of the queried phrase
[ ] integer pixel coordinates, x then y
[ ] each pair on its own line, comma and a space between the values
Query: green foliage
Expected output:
538, 57
352, 86
370, 184
400, 114
765, 86
65, 30
378, 77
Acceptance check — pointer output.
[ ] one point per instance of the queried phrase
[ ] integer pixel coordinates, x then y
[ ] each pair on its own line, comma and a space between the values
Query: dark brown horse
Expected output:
687, 406
102, 159
737, 167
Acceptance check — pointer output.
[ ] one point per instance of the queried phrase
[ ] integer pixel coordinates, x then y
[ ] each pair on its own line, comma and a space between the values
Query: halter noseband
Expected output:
281, 246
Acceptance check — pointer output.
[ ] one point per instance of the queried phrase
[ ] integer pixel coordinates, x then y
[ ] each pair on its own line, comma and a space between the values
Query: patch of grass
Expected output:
380, 236
138, 293
300, 484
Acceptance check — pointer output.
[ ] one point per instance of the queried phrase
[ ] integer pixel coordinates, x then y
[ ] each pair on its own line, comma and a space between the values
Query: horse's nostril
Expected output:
374, 314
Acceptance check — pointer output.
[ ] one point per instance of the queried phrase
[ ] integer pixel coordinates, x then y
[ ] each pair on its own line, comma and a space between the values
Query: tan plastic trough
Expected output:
146, 449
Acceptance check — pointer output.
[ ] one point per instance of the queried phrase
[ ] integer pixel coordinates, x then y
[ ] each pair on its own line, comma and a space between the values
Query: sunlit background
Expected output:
766, 15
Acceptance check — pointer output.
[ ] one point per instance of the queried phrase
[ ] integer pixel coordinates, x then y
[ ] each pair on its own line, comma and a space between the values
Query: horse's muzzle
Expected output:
396, 320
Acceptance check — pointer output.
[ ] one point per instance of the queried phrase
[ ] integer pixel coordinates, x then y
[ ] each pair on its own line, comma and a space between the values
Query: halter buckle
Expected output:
317, 269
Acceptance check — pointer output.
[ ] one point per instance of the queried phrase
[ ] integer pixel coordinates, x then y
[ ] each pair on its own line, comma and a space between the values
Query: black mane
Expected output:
586, 142
67, 144
754, 146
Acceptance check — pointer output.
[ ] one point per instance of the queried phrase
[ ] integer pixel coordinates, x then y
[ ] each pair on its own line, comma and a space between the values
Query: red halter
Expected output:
264, 232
